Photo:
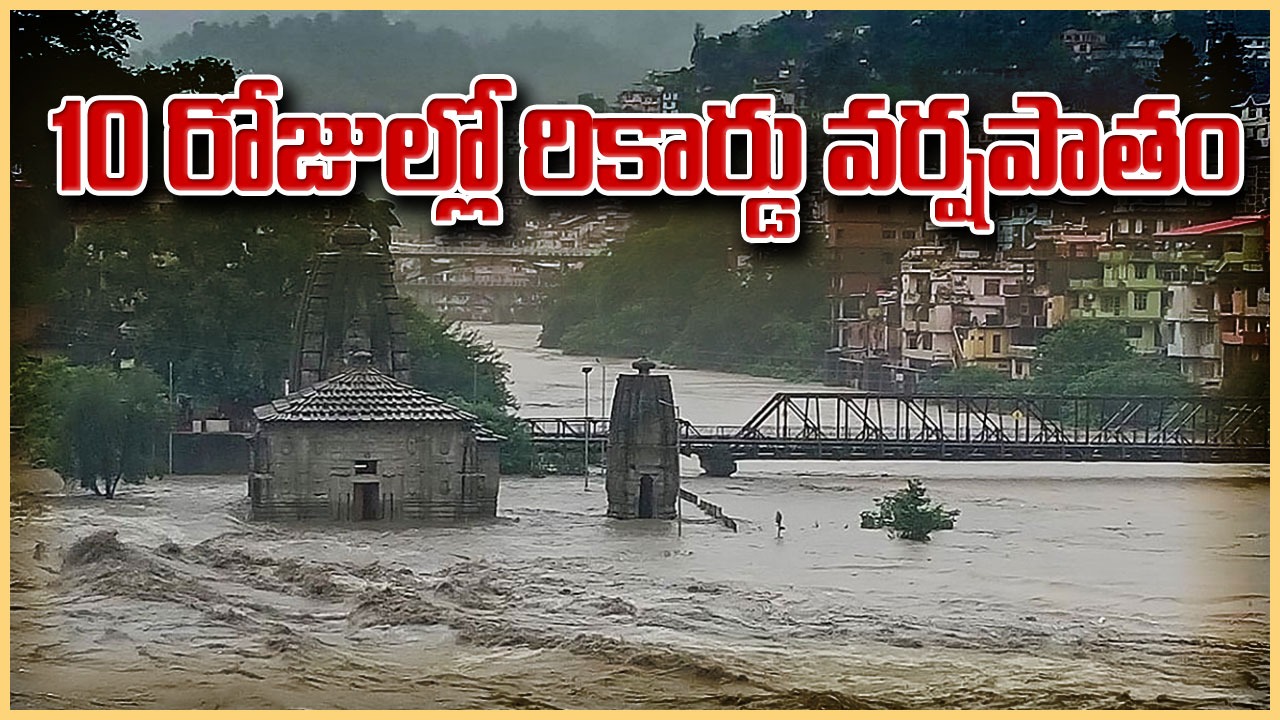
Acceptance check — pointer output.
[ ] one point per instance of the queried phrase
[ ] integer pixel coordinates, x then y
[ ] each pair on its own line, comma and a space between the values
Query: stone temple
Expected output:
350, 299
642, 475
364, 446
354, 440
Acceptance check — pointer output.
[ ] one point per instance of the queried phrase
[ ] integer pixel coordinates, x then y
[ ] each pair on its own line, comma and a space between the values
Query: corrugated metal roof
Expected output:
1214, 227
364, 394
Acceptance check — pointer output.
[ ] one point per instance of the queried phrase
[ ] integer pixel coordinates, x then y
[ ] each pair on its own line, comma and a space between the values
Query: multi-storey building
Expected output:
865, 239
1129, 292
1083, 42
969, 312
997, 310
1220, 305
928, 339
1255, 49
1191, 326
1136, 221
1255, 114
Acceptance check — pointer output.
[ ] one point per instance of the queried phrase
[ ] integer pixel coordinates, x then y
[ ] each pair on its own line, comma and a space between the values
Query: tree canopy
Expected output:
909, 514
112, 426
1178, 72
674, 290
1227, 80
1074, 350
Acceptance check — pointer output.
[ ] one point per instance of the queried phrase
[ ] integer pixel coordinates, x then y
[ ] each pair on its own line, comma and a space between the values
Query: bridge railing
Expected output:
835, 416
480, 281
849, 417
568, 428
411, 249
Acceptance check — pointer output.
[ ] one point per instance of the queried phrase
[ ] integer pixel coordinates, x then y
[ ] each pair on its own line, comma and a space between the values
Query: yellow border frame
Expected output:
587, 5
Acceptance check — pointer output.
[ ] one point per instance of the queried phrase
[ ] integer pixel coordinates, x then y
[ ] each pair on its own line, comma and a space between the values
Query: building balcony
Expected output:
1191, 315
929, 356
1183, 257
1187, 347
1251, 338
1240, 306
1250, 261
850, 320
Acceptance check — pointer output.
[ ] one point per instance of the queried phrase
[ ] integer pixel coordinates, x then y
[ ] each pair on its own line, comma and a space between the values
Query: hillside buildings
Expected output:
1177, 287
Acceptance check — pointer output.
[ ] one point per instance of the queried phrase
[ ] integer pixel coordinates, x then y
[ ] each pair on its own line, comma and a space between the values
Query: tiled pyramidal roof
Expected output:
364, 394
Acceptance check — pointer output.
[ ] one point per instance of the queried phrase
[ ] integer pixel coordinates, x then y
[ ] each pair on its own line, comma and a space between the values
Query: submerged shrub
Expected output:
909, 514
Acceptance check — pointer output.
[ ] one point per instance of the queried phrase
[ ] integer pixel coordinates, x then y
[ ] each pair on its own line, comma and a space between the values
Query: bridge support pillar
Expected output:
717, 462
642, 474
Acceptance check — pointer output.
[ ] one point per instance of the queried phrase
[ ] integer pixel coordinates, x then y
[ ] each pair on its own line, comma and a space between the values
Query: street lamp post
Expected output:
586, 426
604, 381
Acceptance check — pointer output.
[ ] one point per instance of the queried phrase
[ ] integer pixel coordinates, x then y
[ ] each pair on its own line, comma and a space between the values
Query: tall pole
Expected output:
604, 380
173, 404
586, 426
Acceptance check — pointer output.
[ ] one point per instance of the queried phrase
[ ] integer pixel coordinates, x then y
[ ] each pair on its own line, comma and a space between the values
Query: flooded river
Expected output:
1063, 585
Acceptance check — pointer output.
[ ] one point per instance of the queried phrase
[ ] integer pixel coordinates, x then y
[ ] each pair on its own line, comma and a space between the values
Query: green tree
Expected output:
33, 386
454, 362
1178, 72
111, 424
1074, 350
58, 53
460, 366
1250, 381
1133, 377
1227, 80
909, 514
970, 380
673, 289
213, 292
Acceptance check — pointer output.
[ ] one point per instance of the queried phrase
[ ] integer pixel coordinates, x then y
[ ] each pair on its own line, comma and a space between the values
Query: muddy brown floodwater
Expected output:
1063, 586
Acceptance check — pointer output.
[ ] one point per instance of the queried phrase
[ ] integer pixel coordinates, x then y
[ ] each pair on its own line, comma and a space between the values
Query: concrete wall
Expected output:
423, 471
210, 453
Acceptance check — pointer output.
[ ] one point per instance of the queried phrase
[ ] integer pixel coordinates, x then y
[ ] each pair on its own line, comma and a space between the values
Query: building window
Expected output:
889, 234
1140, 272
1133, 332
995, 344
1160, 226
1137, 226
908, 234
1139, 301
990, 287
839, 233
1122, 226
366, 467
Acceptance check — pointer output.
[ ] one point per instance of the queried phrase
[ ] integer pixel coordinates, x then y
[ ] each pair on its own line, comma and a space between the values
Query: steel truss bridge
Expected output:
858, 426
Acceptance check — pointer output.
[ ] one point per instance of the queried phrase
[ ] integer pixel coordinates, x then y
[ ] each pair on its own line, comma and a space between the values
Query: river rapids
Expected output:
1062, 586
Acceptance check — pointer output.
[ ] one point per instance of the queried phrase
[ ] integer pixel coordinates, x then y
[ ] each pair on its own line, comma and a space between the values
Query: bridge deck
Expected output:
852, 426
